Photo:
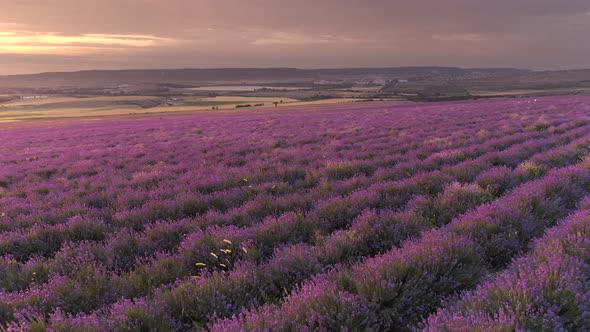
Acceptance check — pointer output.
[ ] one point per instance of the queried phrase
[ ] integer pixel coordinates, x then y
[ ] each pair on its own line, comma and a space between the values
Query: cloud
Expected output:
8, 25
296, 38
305, 33
31, 42
462, 37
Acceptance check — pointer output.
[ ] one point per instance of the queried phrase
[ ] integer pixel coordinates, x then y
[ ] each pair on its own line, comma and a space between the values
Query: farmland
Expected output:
68, 107
360, 216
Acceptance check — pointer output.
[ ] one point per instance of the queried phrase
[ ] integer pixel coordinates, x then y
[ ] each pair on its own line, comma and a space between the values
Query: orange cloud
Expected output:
28, 42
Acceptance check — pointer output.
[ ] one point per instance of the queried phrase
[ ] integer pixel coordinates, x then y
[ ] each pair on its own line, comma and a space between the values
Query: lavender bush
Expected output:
353, 217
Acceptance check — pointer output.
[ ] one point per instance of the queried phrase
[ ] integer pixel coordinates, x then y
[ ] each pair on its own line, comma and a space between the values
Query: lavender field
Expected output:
388, 216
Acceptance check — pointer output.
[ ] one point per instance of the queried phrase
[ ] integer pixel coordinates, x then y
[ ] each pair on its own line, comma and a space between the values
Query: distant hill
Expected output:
106, 78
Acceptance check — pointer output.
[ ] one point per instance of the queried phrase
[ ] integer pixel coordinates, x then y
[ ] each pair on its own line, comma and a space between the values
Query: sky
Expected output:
69, 35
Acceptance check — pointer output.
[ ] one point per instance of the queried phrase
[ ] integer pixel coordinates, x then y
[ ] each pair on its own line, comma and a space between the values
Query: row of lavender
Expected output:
252, 206
548, 288
36, 235
175, 166
46, 237
202, 298
361, 199
397, 288
70, 229
529, 145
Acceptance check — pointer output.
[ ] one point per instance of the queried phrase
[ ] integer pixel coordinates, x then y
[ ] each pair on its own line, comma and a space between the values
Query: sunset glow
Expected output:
539, 34
52, 43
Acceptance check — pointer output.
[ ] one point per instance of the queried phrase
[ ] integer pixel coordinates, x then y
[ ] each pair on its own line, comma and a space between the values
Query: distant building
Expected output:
363, 82
402, 81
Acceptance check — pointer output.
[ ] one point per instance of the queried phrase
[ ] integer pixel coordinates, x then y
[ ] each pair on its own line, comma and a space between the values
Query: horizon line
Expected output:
281, 67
